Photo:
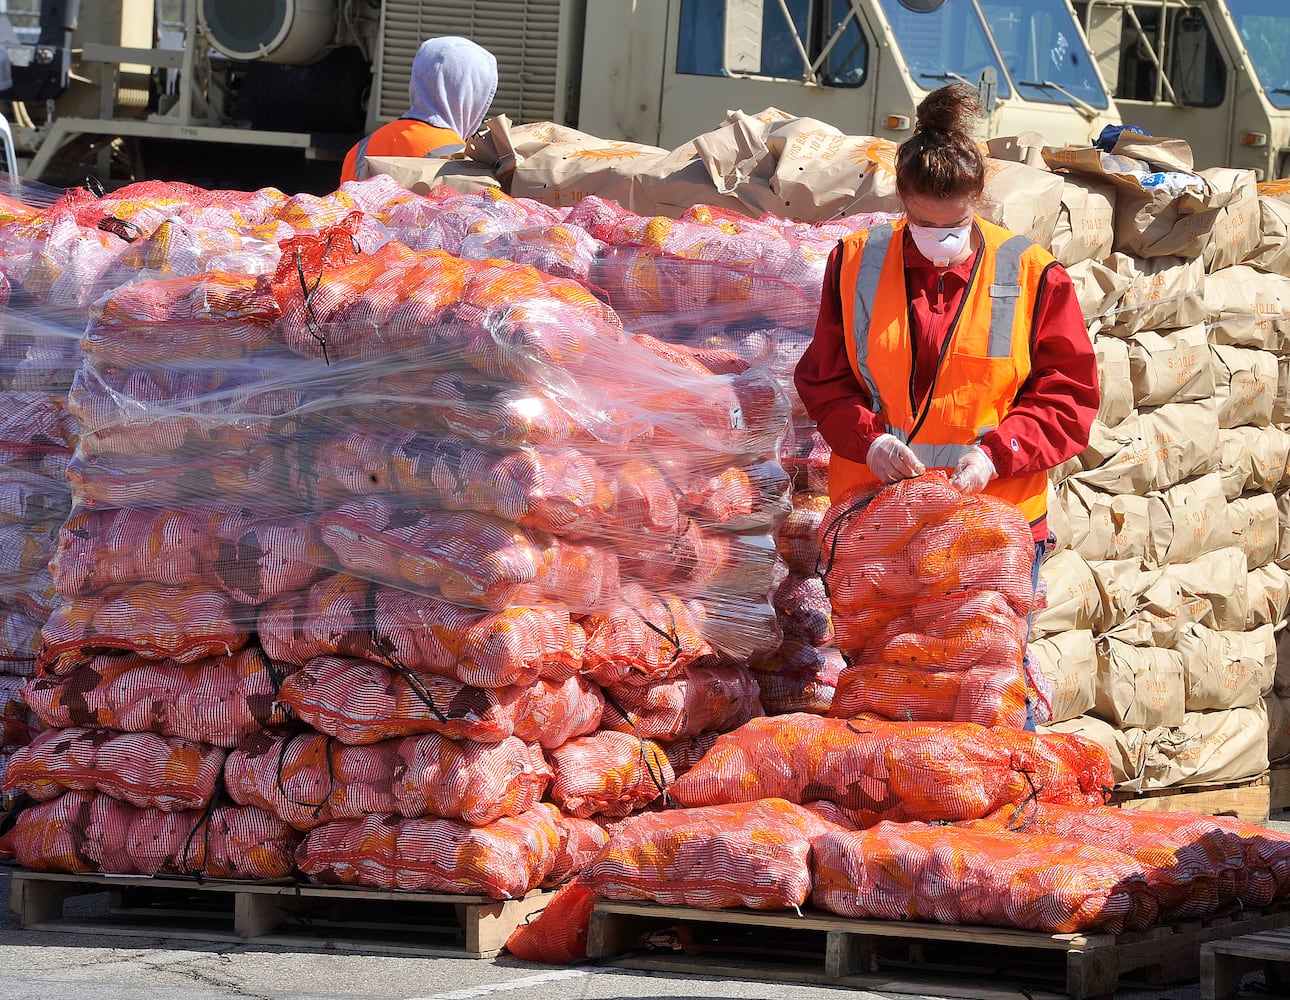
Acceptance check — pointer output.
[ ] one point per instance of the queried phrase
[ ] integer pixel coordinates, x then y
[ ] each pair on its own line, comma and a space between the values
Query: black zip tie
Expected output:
831, 537
317, 807
123, 228
310, 323
383, 647
203, 823
659, 782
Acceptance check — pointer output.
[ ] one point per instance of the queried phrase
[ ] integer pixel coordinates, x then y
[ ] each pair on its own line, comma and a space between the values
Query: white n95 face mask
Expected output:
940, 245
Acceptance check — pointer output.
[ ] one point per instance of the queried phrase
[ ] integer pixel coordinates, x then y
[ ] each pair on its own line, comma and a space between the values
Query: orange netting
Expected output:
931, 590
143, 769
217, 701
307, 779
753, 854
558, 934
702, 698
608, 773
85, 832
581, 840
878, 770
950, 875
504, 860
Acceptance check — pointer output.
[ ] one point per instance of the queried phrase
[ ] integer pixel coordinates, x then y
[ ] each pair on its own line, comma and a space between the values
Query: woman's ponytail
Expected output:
941, 159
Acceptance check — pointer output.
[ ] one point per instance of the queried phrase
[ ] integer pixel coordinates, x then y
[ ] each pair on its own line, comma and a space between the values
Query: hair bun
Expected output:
948, 111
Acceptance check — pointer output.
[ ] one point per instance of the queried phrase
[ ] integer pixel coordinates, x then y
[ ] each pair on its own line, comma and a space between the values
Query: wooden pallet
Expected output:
818, 947
1248, 800
333, 917
1279, 776
1223, 963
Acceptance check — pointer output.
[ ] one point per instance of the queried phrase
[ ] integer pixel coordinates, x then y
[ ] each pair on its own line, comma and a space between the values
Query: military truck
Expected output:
1213, 72
313, 75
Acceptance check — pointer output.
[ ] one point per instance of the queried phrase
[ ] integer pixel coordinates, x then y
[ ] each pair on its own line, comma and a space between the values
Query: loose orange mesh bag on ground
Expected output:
558, 934
608, 773
753, 854
878, 770
86, 832
307, 779
1192, 866
361, 702
217, 701
949, 875
347, 616
504, 860
931, 590
143, 769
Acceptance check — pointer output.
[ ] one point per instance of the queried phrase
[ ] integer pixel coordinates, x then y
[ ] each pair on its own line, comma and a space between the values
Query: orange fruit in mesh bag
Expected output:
702, 697
550, 712
505, 859
877, 769
647, 634
608, 773
753, 854
361, 702
474, 782
946, 874
185, 623
1193, 867
217, 701
581, 840
141, 768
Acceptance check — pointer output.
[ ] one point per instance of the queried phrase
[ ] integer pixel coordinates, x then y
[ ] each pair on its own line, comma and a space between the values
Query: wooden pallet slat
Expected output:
1223, 963
1249, 800
864, 953
1279, 793
339, 917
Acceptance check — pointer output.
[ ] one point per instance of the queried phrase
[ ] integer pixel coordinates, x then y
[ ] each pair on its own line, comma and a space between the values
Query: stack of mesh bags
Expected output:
1169, 582
445, 555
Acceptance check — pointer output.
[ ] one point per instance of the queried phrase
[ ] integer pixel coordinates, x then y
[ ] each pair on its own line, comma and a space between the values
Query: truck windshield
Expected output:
1265, 29
944, 45
1044, 51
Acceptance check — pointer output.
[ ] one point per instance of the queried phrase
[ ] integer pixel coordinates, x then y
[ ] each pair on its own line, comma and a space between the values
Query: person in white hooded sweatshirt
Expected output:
453, 83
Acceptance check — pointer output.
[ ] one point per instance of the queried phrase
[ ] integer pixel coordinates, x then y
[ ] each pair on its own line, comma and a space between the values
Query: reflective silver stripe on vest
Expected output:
866, 293
445, 150
1004, 294
935, 456
360, 160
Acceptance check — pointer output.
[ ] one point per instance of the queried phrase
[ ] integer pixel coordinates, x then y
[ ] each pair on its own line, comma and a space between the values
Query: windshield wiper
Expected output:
950, 75
1087, 109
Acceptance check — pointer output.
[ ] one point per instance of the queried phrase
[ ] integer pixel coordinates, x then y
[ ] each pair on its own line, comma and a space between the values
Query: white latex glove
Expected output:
890, 459
973, 471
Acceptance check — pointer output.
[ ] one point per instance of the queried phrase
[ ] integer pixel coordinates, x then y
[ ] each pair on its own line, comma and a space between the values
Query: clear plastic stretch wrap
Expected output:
359, 526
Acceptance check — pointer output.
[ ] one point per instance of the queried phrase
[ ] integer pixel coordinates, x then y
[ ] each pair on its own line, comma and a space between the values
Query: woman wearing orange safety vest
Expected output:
453, 83
944, 341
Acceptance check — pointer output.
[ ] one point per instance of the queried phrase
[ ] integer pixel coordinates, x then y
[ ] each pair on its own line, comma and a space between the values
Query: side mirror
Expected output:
922, 6
987, 89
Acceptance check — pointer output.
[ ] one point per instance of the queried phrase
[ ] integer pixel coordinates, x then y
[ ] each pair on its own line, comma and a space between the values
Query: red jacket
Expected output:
1051, 418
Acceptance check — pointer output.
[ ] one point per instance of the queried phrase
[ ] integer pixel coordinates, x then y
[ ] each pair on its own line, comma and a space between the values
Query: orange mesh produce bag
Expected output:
949, 875
1192, 866
143, 769
753, 854
896, 770
647, 634
85, 832
504, 860
608, 773
798, 677
308, 779
217, 701
185, 624
347, 616
558, 934
702, 698
210, 316
931, 590
360, 702
581, 840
